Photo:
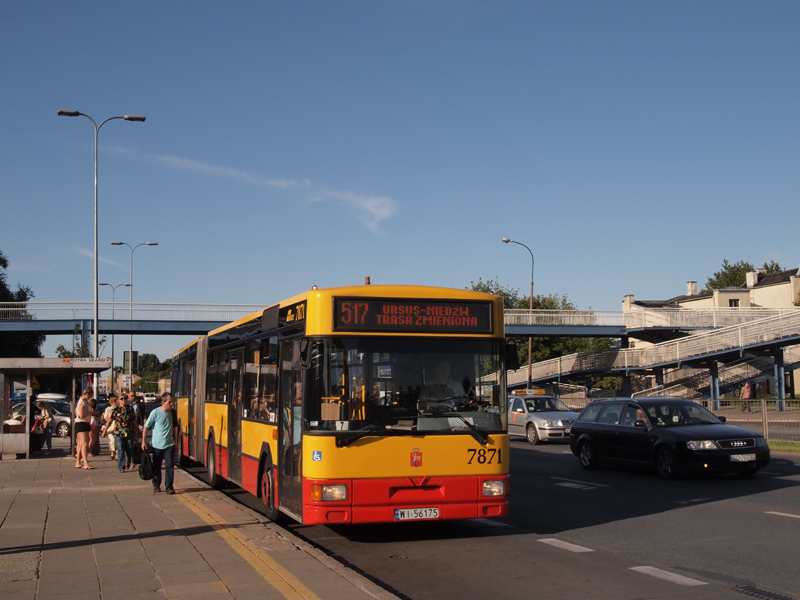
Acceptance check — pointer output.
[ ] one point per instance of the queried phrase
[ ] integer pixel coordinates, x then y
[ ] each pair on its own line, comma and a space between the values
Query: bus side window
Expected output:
268, 386
211, 378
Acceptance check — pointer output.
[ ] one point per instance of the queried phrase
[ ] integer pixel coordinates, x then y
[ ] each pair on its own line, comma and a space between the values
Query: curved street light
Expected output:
132, 248
75, 113
530, 339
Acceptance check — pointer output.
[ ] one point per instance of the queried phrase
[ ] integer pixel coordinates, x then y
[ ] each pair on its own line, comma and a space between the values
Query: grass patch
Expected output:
783, 446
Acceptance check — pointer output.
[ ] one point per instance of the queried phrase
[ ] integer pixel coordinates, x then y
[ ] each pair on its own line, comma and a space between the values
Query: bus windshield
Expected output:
400, 386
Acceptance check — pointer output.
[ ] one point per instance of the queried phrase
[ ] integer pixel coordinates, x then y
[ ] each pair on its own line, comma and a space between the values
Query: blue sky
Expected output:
631, 145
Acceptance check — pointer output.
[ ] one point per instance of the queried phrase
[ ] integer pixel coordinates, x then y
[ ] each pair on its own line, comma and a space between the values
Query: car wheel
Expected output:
532, 434
62, 430
666, 463
587, 457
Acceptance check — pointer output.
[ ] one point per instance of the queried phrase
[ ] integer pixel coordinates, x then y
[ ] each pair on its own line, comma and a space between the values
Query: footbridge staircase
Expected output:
714, 351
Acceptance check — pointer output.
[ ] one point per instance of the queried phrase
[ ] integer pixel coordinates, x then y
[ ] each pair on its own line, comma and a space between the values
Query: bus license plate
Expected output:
742, 457
411, 514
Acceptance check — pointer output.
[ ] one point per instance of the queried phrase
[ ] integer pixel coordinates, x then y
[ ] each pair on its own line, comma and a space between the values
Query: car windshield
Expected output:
404, 386
677, 414
545, 405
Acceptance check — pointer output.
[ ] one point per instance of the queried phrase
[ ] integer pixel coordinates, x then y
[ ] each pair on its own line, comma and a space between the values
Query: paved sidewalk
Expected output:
101, 534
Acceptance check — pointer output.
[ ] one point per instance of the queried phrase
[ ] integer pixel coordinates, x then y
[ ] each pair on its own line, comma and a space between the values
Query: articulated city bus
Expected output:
358, 404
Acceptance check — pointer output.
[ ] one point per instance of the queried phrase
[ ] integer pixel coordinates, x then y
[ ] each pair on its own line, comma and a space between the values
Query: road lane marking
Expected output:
280, 578
581, 482
780, 514
667, 576
770, 473
564, 545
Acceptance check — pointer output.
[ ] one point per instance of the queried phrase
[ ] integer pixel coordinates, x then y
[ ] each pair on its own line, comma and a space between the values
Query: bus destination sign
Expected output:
413, 316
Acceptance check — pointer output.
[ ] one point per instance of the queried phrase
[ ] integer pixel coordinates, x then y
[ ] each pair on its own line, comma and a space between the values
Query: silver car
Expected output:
59, 409
539, 418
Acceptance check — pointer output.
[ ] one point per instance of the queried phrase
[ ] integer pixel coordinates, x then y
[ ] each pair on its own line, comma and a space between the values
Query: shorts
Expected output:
81, 427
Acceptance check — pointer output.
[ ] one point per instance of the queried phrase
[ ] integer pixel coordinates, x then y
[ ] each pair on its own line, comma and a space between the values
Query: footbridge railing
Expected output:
18, 311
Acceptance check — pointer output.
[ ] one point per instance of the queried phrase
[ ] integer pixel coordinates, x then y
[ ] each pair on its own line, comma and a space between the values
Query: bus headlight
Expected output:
328, 493
494, 488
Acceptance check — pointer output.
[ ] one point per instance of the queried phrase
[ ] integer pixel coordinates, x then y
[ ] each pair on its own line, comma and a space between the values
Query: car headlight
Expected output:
702, 445
494, 488
761, 442
552, 424
328, 493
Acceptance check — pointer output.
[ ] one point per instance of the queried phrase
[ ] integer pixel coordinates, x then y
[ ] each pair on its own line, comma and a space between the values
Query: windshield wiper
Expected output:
371, 429
480, 436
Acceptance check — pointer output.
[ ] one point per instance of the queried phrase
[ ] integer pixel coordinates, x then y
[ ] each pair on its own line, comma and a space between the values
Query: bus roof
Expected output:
323, 297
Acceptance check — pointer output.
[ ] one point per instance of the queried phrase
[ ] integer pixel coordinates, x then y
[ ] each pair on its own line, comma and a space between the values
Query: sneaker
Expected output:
157, 489
170, 491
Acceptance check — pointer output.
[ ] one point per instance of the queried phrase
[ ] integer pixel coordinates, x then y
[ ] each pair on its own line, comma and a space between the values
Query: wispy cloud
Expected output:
85, 252
370, 209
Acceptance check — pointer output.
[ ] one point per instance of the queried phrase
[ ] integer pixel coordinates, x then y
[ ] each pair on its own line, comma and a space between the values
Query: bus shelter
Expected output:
16, 439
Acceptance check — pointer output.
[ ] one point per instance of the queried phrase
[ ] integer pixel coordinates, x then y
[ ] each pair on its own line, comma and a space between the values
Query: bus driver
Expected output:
442, 388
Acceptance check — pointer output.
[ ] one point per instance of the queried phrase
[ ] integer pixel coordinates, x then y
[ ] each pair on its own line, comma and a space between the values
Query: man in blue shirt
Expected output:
162, 426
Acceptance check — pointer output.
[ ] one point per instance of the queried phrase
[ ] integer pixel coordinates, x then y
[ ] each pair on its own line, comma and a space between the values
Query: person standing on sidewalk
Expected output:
163, 427
83, 420
125, 429
109, 427
47, 425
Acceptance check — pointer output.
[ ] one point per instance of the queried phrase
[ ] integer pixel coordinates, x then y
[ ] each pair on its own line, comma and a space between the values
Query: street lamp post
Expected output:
132, 248
113, 317
530, 339
75, 113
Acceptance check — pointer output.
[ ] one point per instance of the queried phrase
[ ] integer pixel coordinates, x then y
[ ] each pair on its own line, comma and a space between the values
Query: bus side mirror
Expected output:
512, 357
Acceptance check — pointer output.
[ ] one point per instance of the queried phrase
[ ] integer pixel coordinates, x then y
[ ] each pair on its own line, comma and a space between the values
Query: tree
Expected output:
80, 349
17, 345
735, 275
151, 370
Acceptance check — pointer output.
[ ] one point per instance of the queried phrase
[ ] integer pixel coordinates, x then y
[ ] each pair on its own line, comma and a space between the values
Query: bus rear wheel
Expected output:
183, 460
268, 495
214, 480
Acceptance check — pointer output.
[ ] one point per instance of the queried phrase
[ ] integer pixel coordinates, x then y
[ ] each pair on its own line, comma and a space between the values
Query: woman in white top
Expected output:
83, 427
112, 443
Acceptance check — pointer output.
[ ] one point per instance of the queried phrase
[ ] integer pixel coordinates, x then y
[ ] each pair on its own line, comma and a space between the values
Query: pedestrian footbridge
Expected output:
729, 345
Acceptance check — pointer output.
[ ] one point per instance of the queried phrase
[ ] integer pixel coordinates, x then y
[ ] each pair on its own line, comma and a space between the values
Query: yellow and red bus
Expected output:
357, 404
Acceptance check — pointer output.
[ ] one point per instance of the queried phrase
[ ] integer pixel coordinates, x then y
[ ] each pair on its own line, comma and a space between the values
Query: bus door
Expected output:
290, 437
235, 371
190, 426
